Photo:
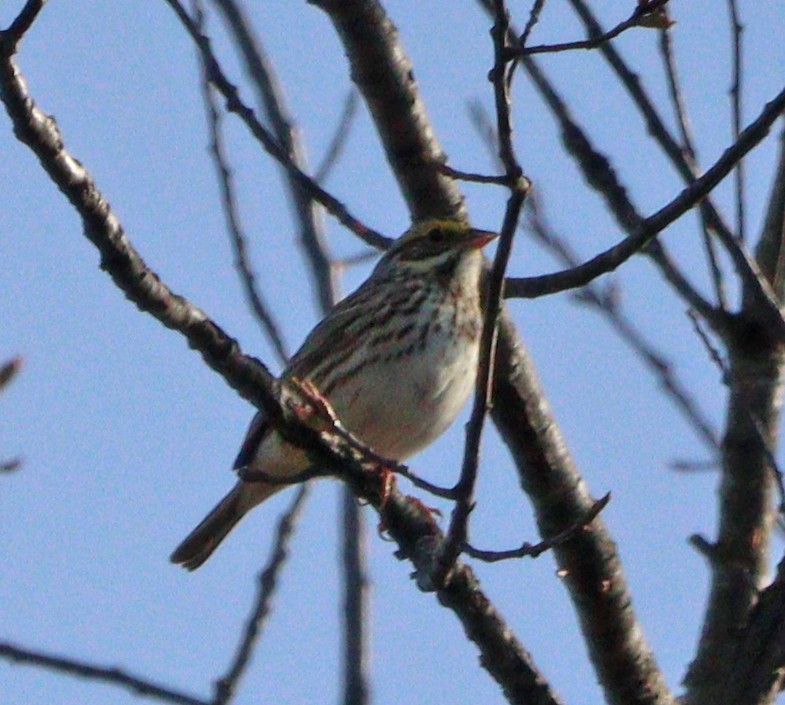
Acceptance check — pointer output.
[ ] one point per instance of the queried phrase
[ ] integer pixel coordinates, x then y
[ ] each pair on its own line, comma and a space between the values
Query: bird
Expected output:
396, 360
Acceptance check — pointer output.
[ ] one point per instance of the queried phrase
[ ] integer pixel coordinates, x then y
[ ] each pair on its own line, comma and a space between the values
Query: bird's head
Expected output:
435, 245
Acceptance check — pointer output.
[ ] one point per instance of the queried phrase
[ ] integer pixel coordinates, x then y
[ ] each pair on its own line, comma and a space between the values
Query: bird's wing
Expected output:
338, 331
335, 332
253, 437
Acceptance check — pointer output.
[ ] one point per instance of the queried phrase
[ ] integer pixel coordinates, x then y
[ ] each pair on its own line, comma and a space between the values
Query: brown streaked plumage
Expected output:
396, 359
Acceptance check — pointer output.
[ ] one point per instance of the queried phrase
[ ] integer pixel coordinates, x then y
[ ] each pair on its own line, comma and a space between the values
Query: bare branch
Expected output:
640, 16
464, 489
110, 675
9, 370
463, 492
390, 92
690, 157
528, 550
770, 250
271, 100
534, 18
744, 264
356, 603
676, 96
226, 687
605, 302
474, 177
270, 144
589, 562
646, 229
736, 110
232, 215
338, 142
21, 24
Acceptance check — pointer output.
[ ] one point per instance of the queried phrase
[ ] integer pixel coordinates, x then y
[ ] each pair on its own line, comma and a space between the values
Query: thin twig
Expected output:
338, 142
636, 19
473, 177
464, 489
270, 144
8, 466
226, 687
736, 110
356, 602
690, 156
711, 348
676, 95
9, 370
648, 228
743, 262
606, 303
420, 483
305, 209
231, 212
482, 124
528, 550
534, 18
104, 674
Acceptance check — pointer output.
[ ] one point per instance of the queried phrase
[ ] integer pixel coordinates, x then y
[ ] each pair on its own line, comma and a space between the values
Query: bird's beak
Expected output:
479, 238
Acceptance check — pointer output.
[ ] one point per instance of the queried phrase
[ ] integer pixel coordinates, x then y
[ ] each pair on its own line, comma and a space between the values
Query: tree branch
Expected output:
231, 213
746, 510
464, 489
645, 229
226, 687
643, 10
742, 261
110, 675
271, 100
270, 144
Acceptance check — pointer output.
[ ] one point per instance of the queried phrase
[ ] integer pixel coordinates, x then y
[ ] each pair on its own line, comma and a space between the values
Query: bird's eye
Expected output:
436, 235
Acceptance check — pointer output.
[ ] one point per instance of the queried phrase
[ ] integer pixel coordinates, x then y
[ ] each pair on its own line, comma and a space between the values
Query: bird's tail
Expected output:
199, 545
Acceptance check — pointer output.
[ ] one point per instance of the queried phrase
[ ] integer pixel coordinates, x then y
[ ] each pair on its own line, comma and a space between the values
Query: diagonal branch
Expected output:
606, 302
744, 264
9, 370
226, 687
642, 11
104, 674
645, 229
237, 236
396, 107
271, 100
270, 144
690, 156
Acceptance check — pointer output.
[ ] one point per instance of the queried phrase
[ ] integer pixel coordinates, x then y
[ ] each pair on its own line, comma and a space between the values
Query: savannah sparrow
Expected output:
396, 359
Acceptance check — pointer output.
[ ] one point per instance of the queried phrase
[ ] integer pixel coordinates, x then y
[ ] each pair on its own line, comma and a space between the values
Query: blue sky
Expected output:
127, 438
